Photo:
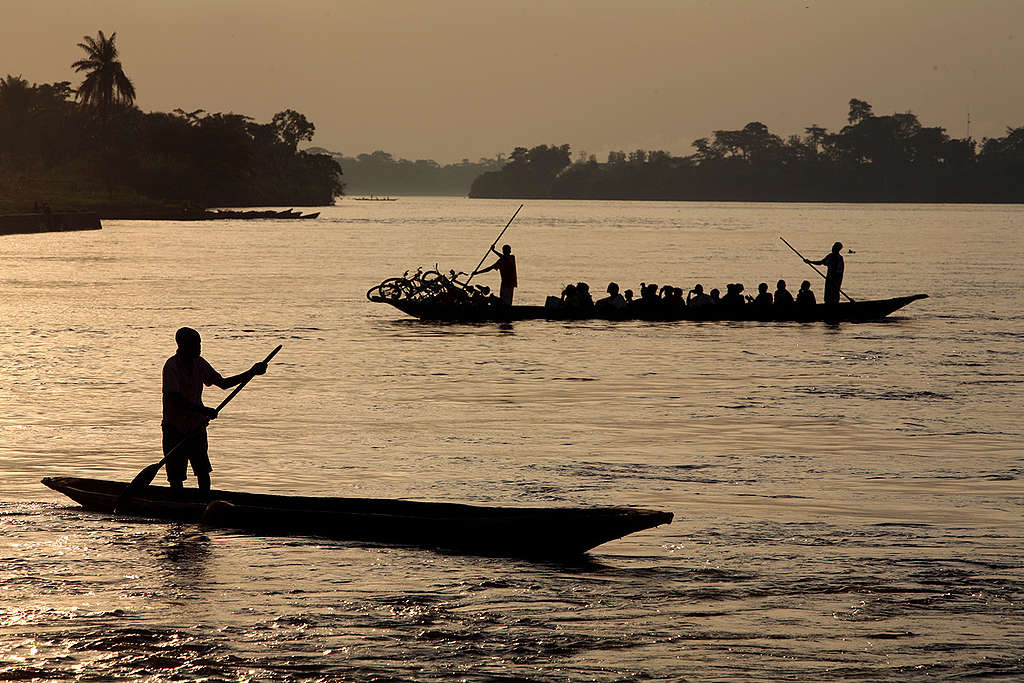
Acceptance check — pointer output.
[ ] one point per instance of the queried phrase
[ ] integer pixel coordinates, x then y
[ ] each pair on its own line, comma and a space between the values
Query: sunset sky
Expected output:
453, 79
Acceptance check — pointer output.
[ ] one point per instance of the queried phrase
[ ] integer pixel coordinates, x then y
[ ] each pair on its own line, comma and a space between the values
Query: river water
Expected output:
848, 499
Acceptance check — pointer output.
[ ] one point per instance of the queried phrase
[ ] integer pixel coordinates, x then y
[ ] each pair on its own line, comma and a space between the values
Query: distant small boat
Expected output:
533, 532
375, 198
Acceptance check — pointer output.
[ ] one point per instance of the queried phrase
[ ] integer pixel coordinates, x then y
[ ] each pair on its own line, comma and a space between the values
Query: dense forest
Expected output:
381, 174
890, 158
91, 148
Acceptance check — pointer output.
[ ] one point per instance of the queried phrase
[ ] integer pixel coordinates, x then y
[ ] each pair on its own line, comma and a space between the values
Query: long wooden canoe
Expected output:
847, 311
540, 532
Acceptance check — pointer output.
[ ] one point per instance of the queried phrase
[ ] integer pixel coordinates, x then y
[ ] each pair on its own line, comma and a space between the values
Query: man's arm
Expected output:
484, 270
228, 382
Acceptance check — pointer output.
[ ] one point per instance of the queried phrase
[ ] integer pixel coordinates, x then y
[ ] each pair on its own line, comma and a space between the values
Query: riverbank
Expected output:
18, 223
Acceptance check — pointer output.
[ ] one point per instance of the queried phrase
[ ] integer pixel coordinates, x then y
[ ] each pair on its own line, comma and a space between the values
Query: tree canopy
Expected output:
55, 150
873, 158
291, 127
103, 152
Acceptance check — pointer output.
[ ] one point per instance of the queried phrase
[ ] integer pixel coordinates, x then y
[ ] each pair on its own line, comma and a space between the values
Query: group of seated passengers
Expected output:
578, 297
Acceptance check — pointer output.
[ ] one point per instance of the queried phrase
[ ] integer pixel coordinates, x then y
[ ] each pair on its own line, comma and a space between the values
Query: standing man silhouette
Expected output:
506, 267
834, 275
184, 416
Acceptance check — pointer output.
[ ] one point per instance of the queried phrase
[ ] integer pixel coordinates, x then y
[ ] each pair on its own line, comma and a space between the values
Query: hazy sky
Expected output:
448, 79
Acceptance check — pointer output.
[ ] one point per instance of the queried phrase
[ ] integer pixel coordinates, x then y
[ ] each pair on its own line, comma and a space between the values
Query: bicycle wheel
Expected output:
430, 277
394, 288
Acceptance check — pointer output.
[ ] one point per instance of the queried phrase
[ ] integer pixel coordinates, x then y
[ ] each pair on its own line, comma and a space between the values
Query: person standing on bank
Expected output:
184, 415
834, 275
506, 267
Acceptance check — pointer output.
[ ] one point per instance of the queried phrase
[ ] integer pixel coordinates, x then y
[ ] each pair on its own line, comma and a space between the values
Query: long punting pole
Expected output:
812, 266
493, 243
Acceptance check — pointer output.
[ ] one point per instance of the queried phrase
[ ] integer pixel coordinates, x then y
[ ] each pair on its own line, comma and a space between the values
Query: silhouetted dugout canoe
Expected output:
847, 311
540, 532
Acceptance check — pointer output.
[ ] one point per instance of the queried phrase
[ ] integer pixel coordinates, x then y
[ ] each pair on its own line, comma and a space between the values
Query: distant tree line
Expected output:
380, 173
92, 146
889, 158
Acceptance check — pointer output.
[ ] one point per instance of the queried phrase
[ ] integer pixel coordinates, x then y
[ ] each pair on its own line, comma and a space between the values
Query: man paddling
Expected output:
184, 415
506, 267
834, 275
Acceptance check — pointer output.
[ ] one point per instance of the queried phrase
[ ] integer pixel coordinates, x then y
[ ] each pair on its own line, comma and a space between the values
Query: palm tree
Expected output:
16, 97
105, 84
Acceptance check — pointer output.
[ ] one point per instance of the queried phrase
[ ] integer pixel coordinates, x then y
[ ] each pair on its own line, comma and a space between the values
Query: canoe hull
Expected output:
542, 532
859, 311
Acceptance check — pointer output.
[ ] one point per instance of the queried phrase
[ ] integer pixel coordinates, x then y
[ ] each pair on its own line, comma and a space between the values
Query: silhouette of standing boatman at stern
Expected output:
184, 415
834, 275
506, 267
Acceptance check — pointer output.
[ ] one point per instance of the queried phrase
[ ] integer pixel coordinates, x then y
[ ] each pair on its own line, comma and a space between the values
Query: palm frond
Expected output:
105, 81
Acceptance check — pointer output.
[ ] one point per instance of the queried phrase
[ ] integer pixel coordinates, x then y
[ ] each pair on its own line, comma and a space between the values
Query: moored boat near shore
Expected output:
848, 311
535, 532
253, 214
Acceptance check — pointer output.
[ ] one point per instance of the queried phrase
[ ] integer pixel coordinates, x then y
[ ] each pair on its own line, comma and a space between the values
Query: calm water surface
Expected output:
848, 499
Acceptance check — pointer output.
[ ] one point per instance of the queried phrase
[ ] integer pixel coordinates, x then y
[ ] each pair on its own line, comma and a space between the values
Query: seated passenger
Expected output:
649, 294
569, 296
697, 297
676, 299
648, 302
716, 296
732, 295
783, 298
764, 297
805, 297
665, 301
629, 296
583, 294
613, 302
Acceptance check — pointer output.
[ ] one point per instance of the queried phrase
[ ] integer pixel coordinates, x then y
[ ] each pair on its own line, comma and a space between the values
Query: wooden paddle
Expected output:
495, 242
812, 266
146, 476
